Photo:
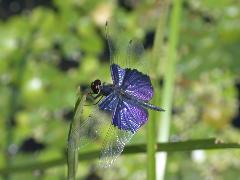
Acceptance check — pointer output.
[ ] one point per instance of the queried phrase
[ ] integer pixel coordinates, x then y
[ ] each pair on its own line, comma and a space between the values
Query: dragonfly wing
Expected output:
138, 85
127, 119
136, 56
129, 116
91, 128
118, 74
128, 54
113, 145
109, 103
115, 43
123, 51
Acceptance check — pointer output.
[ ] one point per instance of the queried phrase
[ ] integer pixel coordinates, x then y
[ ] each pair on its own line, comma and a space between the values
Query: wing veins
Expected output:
129, 124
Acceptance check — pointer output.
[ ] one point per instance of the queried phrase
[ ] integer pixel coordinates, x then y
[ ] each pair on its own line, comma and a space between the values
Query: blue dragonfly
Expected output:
123, 104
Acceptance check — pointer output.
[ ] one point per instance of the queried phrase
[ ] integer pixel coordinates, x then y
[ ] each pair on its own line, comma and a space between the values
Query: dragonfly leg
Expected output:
98, 100
101, 96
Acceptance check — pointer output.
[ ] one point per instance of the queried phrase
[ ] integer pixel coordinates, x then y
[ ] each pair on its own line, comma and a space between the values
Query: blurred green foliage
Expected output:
47, 52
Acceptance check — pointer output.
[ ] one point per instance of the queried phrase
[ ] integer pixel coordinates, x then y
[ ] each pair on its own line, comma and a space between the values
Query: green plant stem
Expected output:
169, 78
190, 145
156, 54
151, 149
73, 139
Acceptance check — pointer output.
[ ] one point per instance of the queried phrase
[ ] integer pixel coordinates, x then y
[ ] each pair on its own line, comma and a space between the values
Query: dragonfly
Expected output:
123, 104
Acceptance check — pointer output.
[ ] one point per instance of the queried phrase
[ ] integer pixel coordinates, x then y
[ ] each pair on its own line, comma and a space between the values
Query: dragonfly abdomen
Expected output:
142, 103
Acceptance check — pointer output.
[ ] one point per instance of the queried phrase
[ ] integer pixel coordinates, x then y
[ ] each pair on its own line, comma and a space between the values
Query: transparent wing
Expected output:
115, 43
136, 56
125, 50
92, 128
113, 146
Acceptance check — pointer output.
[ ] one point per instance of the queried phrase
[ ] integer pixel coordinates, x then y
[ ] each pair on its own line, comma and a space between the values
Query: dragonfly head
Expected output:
95, 86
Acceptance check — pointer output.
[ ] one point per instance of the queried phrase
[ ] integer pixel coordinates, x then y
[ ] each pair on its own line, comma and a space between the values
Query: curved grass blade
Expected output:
73, 139
83, 132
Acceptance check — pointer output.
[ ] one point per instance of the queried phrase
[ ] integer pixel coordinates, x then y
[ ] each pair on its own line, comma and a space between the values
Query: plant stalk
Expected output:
168, 88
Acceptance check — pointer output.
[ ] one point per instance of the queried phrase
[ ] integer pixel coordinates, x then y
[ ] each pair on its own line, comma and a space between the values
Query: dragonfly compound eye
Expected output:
95, 86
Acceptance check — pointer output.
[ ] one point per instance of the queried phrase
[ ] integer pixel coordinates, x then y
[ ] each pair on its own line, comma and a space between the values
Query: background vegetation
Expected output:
49, 48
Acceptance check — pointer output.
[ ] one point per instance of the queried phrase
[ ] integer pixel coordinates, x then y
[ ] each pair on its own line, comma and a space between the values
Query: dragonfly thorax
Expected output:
106, 89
